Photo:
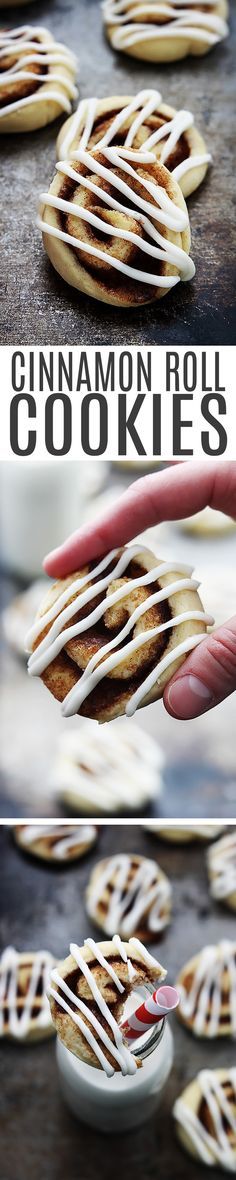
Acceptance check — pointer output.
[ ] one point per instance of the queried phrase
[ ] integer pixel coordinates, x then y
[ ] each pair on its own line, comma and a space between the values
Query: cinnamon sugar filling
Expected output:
204, 1115
180, 153
111, 690
20, 88
113, 279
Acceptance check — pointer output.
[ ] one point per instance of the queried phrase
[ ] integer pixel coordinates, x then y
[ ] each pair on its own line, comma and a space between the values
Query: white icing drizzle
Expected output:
130, 903
60, 634
222, 867
39, 965
140, 209
144, 104
54, 86
117, 1049
216, 1147
113, 770
66, 838
182, 21
205, 993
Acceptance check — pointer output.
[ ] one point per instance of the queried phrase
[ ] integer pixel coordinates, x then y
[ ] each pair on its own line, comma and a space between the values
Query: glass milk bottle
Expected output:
40, 504
119, 1102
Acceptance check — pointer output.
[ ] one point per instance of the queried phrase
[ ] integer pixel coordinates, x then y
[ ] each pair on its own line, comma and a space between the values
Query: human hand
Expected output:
208, 675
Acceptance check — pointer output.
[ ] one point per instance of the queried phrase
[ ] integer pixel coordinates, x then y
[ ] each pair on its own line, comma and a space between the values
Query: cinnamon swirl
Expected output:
116, 227
24, 1008
109, 637
222, 870
56, 843
130, 894
207, 987
165, 30
87, 996
138, 122
205, 1117
36, 79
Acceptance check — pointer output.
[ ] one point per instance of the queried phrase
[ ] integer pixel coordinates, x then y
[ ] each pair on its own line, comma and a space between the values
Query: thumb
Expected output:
207, 676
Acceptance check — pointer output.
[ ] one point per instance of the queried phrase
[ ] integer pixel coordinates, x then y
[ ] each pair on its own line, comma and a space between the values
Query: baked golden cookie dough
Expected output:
131, 895
222, 870
87, 997
24, 1007
36, 79
165, 30
205, 1117
129, 597
56, 843
186, 835
107, 770
141, 122
207, 992
115, 226
208, 523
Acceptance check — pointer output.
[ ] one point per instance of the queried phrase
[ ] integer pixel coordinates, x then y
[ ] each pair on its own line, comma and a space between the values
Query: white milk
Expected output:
119, 1102
40, 506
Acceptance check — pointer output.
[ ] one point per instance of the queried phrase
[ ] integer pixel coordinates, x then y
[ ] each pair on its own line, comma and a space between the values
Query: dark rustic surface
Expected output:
40, 1140
37, 307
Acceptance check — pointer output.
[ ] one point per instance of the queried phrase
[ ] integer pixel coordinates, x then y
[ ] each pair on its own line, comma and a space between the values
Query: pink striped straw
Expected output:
154, 1008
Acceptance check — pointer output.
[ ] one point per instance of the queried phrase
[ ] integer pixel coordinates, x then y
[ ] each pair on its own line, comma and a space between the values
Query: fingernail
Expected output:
188, 697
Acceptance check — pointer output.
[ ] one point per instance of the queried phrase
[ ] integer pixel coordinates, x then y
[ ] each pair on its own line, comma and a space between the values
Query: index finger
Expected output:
172, 494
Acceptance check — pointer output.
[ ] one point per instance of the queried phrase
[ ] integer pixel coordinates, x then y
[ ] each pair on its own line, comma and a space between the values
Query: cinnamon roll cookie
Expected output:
138, 123
87, 997
207, 523
36, 79
115, 226
109, 637
56, 843
186, 835
222, 870
24, 1008
131, 895
108, 770
165, 30
207, 988
205, 1117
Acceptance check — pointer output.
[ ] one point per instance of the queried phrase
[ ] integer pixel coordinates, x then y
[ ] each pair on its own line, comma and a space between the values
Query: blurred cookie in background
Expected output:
129, 895
24, 983
221, 862
18, 617
185, 835
207, 523
107, 770
205, 1116
206, 985
56, 842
